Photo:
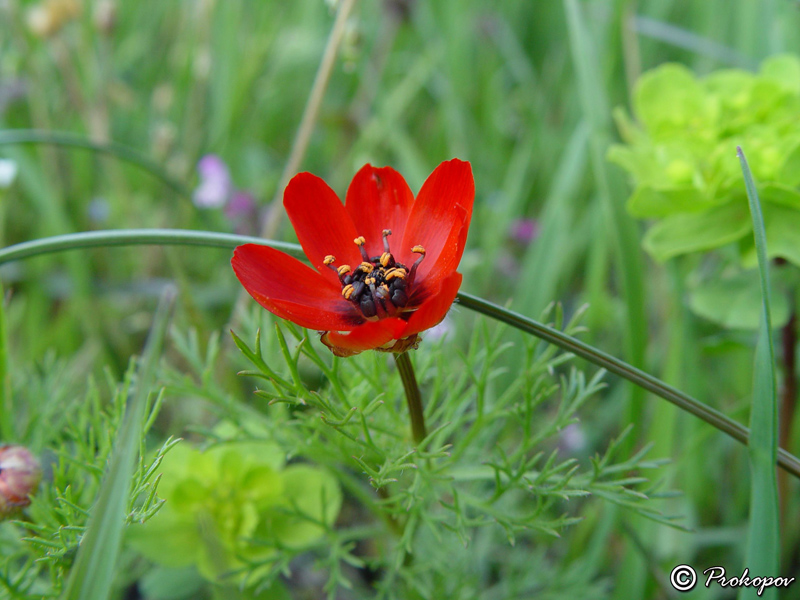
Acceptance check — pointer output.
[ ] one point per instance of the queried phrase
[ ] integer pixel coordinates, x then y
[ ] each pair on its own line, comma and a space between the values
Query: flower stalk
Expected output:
413, 396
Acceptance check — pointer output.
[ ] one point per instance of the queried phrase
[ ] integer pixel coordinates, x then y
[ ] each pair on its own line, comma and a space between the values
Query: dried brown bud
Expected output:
20, 473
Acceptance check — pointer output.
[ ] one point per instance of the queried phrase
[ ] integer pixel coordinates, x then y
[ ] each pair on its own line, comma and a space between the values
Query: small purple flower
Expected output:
242, 205
215, 186
242, 212
524, 231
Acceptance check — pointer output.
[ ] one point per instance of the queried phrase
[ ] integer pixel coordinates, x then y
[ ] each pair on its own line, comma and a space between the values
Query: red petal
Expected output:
429, 283
291, 290
440, 219
433, 310
371, 334
379, 199
321, 222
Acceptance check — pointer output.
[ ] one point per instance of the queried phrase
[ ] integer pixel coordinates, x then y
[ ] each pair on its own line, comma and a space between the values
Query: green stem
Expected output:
413, 396
130, 237
120, 151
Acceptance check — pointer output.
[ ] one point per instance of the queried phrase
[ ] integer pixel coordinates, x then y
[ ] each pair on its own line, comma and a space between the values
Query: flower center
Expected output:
379, 286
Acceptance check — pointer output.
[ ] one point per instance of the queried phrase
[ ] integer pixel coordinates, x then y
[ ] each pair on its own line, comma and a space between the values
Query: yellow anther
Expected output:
347, 291
392, 273
329, 260
343, 270
360, 240
386, 259
418, 250
366, 267
369, 280
387, 232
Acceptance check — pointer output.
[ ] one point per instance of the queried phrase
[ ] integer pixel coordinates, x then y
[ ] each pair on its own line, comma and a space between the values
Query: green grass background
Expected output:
521, 89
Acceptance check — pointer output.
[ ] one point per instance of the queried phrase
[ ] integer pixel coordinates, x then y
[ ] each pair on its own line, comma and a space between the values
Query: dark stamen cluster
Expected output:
379, 286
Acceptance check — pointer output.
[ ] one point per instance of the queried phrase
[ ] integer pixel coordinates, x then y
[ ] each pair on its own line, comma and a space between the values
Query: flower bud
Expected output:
20, 474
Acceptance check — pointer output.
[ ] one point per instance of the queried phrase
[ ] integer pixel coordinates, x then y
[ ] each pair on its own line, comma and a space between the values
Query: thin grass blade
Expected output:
93, 575
763, 540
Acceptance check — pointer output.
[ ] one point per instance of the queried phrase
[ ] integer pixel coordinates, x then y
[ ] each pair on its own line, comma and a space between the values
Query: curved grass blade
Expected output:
130, 237
95, 566
763, 538
71, 140
134, 237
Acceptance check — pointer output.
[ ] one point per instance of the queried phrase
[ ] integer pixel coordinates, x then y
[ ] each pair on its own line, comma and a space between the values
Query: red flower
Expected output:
396, 255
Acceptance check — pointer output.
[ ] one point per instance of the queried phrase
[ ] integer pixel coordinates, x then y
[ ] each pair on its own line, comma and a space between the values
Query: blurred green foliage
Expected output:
415, 83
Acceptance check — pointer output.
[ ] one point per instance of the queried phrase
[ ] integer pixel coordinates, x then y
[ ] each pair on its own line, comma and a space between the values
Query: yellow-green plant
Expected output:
234, 504
681, 153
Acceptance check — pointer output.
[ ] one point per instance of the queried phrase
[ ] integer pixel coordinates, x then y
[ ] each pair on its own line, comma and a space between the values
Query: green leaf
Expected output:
777, 193
790, 170
647, 201
276, 591
661, 166
690, 232
169, 538
735, 301
732, 88
783, 232
669, 99
96, 564
188, 494
784, 70
763, 540
312, 492
163, 583
261, 484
